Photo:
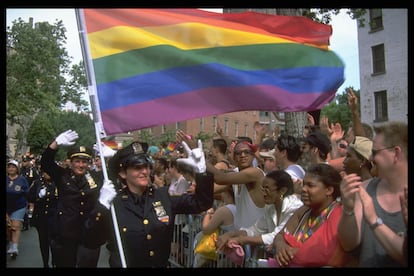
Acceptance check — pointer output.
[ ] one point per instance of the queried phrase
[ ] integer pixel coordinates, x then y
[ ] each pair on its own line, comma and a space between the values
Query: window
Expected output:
215, 123
163, 129
246, 132
378, 59
236, 129
201, 124
375, 19
226, 126
381, 106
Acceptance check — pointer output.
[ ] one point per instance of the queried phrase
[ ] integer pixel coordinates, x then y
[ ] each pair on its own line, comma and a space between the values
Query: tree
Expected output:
338, 111
76, 87
37, 63
48, 124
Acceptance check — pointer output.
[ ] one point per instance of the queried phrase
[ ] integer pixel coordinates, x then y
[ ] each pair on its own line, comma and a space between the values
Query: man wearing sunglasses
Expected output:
246, 181
372, 218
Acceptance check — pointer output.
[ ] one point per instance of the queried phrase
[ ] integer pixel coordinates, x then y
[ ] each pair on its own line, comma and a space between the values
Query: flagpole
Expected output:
99, 130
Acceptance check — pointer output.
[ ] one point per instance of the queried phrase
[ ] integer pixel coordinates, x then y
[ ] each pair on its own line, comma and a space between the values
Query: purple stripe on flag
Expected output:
209, 102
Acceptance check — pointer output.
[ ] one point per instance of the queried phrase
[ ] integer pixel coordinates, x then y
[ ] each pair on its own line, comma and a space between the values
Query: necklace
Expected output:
307, 227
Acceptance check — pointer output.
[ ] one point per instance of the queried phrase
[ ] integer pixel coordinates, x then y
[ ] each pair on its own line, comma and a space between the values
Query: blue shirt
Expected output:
16, 193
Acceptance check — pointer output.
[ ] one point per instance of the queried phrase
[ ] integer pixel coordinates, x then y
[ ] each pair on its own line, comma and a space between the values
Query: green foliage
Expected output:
325, 15
40, 133
36, 64
338, 111
76, 87
48, 125
204, 137
37, 69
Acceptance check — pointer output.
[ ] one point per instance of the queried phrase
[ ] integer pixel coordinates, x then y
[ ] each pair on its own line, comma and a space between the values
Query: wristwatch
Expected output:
377, 223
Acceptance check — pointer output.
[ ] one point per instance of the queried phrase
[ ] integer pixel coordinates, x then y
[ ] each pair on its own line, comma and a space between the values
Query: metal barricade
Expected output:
182, 248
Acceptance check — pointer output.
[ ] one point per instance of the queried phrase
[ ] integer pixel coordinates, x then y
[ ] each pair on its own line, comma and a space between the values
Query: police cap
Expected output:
131, 155
80, 152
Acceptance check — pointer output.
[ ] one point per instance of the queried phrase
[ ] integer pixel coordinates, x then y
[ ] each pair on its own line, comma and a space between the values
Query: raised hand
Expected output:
195, 157
106, 151
67, 138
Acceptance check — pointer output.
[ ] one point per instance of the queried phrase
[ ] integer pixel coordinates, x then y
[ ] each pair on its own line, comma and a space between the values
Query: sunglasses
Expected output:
267, 189
375, 152
136, 161
240, 152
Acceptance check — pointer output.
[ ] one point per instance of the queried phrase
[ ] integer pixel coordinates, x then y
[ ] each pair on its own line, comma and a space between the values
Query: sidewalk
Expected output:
29, 253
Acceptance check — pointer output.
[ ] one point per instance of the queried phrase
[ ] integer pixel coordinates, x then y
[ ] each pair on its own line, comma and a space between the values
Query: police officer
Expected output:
44, 195
79, 194
145, 215
30, 172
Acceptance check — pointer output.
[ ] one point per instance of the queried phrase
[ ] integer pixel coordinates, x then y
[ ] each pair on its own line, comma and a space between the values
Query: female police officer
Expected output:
145, 215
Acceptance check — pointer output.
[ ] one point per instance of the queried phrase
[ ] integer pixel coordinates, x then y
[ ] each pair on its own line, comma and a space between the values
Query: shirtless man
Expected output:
246, 181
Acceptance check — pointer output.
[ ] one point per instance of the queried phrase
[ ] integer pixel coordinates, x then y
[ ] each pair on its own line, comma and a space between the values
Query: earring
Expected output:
281, 197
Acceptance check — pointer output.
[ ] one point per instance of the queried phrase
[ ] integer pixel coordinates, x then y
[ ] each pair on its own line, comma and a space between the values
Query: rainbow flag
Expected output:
111, 143
171, 146
159, 66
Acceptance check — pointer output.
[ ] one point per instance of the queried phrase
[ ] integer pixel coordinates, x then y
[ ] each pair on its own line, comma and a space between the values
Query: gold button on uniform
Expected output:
81, 213
149, 236
151, 253
146, 221
124, 229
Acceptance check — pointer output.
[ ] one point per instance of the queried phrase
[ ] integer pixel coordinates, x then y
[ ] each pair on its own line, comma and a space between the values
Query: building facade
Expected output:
233, 124
383, 66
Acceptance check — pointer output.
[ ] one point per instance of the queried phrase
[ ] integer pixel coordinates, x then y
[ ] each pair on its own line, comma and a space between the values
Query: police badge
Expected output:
160, 212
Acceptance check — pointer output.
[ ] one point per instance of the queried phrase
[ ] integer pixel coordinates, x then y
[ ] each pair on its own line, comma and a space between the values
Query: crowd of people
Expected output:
328, 199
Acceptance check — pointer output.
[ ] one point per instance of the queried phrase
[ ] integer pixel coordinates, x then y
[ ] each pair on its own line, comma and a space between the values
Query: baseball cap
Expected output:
363, 146
320, 141
295, 171
268, 154
13, 162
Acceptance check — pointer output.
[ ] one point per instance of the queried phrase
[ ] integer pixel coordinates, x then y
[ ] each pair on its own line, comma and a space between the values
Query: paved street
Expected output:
29, 253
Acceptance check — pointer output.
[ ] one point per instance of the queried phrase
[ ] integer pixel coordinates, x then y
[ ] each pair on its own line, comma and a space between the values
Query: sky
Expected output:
344, 39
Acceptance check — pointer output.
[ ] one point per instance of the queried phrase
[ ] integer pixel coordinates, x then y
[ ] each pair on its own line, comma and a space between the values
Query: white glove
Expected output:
42, 192
67, 138
196, 158
107, 151
107, 194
